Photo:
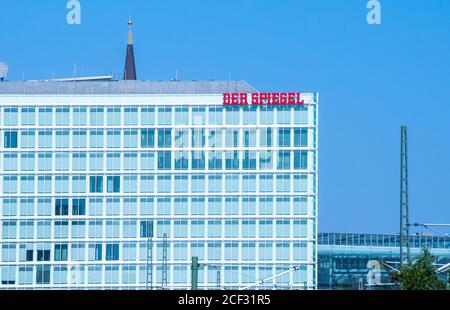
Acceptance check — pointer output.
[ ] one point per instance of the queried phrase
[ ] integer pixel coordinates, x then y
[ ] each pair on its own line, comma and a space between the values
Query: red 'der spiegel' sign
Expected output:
262, 98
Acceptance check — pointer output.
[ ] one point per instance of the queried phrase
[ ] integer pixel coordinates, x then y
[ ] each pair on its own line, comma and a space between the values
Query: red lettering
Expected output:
283, 98
226, 98
299, 100
291, 98
264, 97
244, 98
275, 98
234, 98
255, 98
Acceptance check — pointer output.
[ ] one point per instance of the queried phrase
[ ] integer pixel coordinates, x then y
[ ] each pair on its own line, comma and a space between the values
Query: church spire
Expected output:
130, 67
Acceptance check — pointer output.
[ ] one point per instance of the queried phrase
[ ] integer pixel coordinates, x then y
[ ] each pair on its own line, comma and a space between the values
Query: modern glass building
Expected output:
118, 184
363, 261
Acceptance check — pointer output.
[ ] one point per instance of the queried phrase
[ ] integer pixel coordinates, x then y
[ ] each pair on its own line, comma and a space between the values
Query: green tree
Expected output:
420, 275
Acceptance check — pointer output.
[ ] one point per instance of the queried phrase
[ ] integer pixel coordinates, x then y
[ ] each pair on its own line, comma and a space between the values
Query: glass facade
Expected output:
353, 261
103, 193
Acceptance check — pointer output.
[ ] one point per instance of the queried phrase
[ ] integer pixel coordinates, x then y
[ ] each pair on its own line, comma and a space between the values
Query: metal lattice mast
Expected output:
149, 280
404, 212
164, 263
218, 280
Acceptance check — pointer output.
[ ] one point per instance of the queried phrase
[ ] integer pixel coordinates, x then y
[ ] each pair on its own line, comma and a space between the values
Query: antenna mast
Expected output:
404, 211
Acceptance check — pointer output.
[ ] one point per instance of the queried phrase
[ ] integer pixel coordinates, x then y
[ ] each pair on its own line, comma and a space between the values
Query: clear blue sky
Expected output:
371, 79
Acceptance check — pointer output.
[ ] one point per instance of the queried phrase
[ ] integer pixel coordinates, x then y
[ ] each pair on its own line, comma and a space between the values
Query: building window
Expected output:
95, 252
130, 206
95, 274
147, 138
111, 274
215, 116
198, 160
78, 184
232, 160
266, 115
232, 137
164, 183
146, 229
283, 183
45, 161
96, 138
130, 184
113, 139
61, 184
10, 139
265, 137
43, 274
45, 117
96, 161
79, 206
61, 229
96, 184
215, 184
147, 116
97, 116
131, 116
9, 184
28, 116
165, 116
249, 116
129, 229
113, 161
61, 206
284, 160
27, 184
198, 183
112, 251
9, 207
215, 138
249, 183
79, 161
198, 116
130, 161
43, 255
181, 160
9, 252
27, 137
10, 162
300, 160
148, 161
113, 116
62, 116
284, 137
130, 139
29, 256
62, 162
78, 229
11, 116
284, 115
79, 139
164, 160
301, 115
301, 137
249, 160
250, 138
61, 251
79, 117
45, 139
215, 160
113, 184
164, 138
181, 116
